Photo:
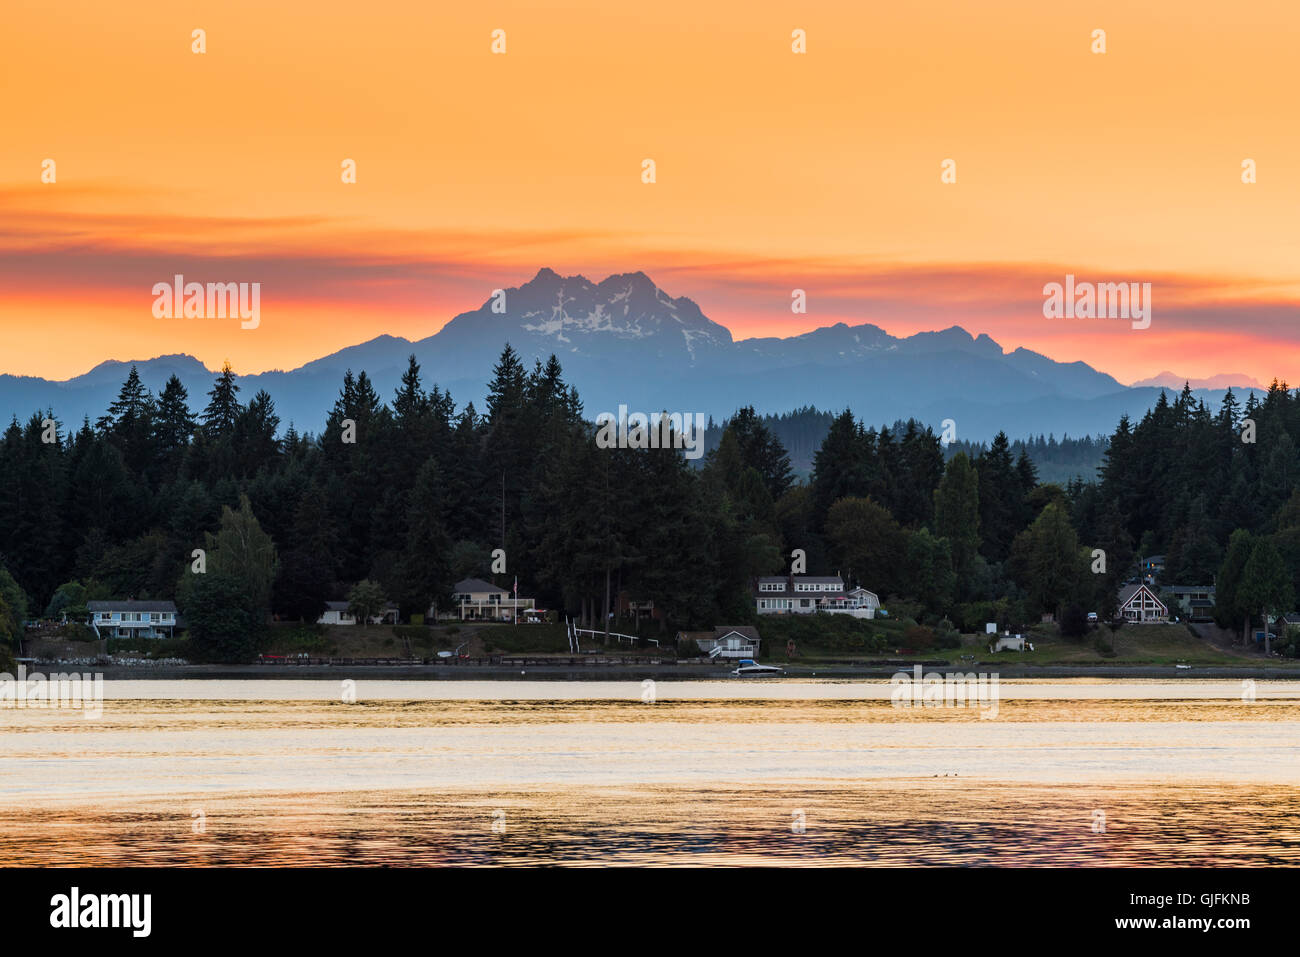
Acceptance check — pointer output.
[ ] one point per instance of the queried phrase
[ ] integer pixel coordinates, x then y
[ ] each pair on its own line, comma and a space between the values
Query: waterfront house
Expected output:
724, 641
477, 600
1138, 603
1194, 602
1009, 642
336, 613
132, 619
810, 594
625, 606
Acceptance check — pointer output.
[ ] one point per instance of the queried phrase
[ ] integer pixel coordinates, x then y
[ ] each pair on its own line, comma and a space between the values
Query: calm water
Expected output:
257, 772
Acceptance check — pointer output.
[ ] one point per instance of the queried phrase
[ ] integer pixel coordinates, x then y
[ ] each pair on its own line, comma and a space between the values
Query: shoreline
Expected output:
709, 672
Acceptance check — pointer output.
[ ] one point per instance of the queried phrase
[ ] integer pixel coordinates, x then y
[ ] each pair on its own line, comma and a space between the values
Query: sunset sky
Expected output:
775, 171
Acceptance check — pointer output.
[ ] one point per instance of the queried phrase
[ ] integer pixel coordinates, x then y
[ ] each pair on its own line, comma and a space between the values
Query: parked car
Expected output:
1092, 617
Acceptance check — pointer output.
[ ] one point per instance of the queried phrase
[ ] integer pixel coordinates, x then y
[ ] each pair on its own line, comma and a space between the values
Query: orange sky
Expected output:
775, 170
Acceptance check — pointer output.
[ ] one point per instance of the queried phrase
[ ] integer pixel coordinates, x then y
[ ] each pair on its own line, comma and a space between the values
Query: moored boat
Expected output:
749, 668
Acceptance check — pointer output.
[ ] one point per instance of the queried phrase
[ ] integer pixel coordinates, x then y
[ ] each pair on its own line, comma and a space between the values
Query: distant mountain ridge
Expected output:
1224, 380
625, 341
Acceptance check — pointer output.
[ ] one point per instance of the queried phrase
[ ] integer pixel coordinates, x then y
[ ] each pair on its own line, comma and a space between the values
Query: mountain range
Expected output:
625, 341
1223, 380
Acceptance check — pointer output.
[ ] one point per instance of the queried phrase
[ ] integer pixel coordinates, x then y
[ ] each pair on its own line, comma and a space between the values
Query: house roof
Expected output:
1128, 591
131, 605
478, 584
806, 579
1187, 589
745, 631
336, 606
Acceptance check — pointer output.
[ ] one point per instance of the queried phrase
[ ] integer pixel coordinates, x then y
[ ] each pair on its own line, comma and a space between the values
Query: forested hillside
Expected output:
1057, 460
414, 492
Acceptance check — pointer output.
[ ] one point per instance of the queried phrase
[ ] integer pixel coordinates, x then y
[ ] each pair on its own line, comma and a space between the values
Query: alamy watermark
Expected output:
179, 299
1101, 300
951, 690
658, 430
75, 691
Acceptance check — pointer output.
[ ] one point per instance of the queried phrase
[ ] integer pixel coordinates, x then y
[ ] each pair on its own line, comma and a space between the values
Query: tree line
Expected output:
397, 500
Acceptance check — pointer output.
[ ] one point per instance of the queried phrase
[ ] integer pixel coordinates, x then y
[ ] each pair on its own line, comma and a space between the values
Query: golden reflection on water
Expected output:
694, 782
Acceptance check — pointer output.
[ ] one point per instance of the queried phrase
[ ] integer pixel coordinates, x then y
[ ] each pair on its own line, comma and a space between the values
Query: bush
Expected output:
1074, 621
946, 635
901, 608
75, 631
224, 625
975, 615
918, 638
1103, 648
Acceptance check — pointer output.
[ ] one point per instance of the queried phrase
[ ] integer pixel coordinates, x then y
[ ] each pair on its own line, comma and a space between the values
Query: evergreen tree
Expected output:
1265, 586
223, 405
174, 425
1046, 560
865, 543
957, 512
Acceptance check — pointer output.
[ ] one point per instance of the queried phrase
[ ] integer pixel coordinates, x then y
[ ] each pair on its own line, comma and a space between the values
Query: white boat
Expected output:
751, 669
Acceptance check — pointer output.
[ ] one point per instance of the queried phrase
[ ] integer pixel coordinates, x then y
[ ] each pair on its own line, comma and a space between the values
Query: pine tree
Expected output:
1001, 506
223, 405
957, 512
175, 424
1265, 586
840, 467
424, 576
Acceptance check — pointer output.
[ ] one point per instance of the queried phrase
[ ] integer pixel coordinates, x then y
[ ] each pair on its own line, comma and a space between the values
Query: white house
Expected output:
1138, 603
725, 641
809, 594
1011, 643
861, 603
336, 613
477, 600
132, 619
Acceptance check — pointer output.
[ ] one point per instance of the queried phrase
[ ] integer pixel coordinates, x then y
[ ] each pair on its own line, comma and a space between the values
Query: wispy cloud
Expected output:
63, 258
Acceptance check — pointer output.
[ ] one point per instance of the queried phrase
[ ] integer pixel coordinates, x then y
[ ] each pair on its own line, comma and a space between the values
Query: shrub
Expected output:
901, 608
918, 638
946, 635
1074, 621
224, 624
